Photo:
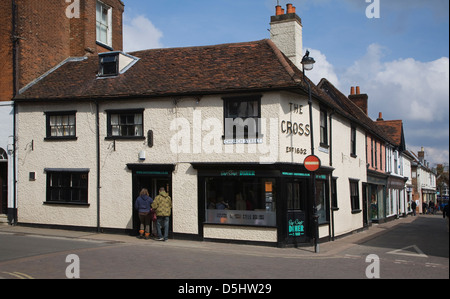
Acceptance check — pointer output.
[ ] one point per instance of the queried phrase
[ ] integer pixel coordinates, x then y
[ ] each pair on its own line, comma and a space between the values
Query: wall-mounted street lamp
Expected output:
308, 65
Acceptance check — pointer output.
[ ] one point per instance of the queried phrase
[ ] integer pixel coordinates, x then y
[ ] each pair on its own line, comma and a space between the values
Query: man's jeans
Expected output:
163, 221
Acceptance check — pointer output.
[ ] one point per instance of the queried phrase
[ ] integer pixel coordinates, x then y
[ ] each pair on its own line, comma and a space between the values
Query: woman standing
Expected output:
143, 205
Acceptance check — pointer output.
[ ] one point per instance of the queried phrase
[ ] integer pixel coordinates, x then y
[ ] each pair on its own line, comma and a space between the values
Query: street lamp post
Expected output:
308, 64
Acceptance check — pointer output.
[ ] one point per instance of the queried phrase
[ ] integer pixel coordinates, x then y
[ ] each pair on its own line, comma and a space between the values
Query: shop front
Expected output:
376, 194
152, 177
254, 197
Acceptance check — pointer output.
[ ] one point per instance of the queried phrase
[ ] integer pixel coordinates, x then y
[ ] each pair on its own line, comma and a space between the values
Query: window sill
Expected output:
104, 46
356, 211
66, 203
125, 138
63, 138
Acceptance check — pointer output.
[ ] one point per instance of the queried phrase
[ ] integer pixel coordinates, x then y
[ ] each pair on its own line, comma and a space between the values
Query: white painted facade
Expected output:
184, 132
7, 145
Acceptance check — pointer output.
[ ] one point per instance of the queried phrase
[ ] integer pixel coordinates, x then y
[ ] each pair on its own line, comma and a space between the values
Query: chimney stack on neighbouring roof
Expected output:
421, 155
380, 116
286, 32
359, 99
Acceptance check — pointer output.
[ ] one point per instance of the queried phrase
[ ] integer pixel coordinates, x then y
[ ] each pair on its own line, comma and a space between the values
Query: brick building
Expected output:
35, 37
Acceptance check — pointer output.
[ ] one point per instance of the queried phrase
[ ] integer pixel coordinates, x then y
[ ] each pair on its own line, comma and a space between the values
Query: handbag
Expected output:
153, 215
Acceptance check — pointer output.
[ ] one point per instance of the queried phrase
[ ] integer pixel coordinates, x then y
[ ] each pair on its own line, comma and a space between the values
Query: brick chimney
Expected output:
360, 100
421, 155
380, 116
286, 31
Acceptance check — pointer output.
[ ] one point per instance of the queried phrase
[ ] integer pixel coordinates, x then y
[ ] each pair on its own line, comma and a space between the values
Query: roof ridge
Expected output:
200, 47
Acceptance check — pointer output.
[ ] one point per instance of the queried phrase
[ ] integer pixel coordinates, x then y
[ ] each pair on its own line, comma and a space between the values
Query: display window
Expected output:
241, 201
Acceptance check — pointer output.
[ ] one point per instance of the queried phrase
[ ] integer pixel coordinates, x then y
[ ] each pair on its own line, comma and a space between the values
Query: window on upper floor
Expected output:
61, 125
125, 124
354, 196
353, 142
323, 128
242, 119
104, 24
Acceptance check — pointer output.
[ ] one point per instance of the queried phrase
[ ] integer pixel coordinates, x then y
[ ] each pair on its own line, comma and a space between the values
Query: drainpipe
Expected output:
14, 39
331, 164
97, 131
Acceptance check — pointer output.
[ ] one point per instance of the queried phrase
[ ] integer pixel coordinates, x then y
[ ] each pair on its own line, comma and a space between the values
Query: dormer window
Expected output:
109, 64
114, 63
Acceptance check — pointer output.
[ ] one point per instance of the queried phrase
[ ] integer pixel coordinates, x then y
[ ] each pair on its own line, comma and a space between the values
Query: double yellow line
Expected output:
19, 275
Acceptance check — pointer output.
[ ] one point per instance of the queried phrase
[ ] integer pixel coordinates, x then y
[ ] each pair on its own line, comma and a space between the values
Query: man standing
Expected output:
163, 207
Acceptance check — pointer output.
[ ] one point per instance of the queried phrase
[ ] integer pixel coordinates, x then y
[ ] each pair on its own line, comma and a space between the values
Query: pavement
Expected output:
326, 249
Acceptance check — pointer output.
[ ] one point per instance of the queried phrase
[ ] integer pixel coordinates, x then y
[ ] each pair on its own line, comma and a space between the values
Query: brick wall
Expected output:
48, 36
6, 69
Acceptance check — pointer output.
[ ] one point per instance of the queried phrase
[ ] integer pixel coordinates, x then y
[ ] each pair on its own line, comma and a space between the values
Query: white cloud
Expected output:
322, 69
413, 91
406, 88
139, 33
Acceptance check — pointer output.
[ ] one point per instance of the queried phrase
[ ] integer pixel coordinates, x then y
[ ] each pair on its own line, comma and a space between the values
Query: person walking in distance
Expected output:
446, 214
143, 205
163, 208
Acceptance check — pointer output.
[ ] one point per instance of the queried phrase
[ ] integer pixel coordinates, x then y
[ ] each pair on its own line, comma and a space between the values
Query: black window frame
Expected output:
110, 63
226, 115
124, 113
354, 198
72, 186
50, 114
323, 124
353, 141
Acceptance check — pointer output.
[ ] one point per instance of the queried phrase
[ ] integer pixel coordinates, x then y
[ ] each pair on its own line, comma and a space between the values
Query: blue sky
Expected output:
401, 60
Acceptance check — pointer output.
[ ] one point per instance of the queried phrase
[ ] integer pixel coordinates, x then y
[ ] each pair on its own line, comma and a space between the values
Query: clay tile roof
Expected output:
393, 129
216, 69
356, 114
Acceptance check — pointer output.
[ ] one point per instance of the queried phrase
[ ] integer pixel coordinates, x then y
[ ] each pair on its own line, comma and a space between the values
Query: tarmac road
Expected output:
412, 247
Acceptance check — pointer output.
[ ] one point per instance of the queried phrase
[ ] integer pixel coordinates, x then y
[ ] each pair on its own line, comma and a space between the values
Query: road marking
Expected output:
19, 275
405, 251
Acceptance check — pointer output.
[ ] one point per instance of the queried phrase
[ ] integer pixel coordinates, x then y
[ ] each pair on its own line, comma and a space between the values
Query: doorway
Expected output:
152, 182
298, 223
3, 186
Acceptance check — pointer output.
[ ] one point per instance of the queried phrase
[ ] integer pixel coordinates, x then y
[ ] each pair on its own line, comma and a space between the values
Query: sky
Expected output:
397, 51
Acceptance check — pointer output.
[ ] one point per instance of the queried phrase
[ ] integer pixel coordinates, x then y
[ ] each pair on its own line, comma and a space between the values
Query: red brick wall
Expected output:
48, 36
6, 69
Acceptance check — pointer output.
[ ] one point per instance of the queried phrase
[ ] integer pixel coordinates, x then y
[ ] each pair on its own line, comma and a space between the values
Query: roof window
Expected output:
115, 63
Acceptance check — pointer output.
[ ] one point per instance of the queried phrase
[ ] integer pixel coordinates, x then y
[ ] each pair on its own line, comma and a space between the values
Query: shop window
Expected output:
69, 186
61, 125
242, 121
321, 201
125, 124
334, 201
241, 201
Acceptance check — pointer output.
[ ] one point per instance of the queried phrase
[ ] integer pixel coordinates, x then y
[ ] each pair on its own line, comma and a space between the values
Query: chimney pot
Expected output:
278, 10
352, 90
358, 91
290, 8
380, 116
